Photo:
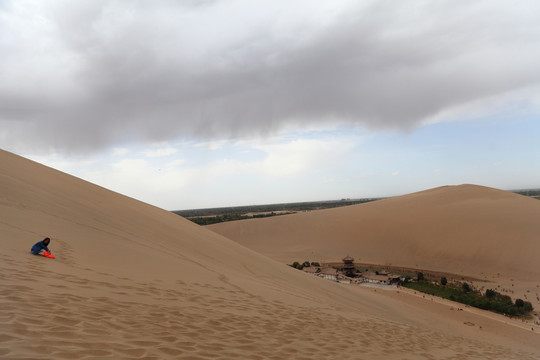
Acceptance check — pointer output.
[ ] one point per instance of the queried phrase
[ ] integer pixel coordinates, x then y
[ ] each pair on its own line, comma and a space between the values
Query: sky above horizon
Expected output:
196, 104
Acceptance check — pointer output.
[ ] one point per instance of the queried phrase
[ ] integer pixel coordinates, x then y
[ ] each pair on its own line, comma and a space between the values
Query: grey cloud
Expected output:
387, 65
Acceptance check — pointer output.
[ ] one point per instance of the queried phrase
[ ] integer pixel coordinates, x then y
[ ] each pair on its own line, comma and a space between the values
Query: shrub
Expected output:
420, 276
444, 281
492, 300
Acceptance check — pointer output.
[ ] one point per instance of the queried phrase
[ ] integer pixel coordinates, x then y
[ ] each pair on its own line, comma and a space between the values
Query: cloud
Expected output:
291, 158
174, 182
162, 152
144, 180
175, 163
91, 74
120, 151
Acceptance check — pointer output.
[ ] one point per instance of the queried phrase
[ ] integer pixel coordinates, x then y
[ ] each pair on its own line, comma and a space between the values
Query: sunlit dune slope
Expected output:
464, 228
131, 281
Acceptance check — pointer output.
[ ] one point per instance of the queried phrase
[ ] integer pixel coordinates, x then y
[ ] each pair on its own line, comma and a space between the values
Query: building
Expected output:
348, 266
311, 270
382, 279
328, 273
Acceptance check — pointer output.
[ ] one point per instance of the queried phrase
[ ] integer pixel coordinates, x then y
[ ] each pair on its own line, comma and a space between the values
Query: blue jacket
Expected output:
40, 245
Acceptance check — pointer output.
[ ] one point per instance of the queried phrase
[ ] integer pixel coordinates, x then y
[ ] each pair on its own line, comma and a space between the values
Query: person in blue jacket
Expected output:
40, 248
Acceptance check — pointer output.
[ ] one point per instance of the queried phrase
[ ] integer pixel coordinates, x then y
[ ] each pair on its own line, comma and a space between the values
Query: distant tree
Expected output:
520, 303
444, 281
296, 264
466, 287
306, 264
490, 293
315, 264
420, 276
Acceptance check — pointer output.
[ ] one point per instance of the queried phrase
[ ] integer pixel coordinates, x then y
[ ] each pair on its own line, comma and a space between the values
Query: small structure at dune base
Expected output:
348, 266
312, 270
349, 274
328, 273
382, 278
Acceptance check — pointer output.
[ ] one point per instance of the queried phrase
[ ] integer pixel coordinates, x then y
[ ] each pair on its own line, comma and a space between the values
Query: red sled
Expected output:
48, 255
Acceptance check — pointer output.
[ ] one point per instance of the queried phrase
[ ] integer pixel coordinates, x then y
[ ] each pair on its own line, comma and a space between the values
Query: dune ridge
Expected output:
466, 228
131, 281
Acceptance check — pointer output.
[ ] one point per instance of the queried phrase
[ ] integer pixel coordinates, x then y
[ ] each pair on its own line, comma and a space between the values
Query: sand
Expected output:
131, 281
472, 230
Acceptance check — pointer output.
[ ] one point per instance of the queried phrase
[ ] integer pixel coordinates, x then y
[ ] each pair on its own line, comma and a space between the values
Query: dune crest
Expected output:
131, 281
466, 228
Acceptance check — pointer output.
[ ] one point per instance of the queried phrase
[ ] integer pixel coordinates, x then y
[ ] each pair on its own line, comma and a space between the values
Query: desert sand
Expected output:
132, 281
471, 230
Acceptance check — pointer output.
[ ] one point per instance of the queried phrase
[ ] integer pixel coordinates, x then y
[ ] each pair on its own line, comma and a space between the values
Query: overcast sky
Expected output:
190, 104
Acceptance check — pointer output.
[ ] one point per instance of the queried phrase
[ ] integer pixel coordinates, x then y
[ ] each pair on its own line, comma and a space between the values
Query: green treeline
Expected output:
465, 294
208, 220
277, 208
301, 266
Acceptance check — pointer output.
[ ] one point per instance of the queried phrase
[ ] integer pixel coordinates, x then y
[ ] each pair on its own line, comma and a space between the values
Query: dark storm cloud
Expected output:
105, 72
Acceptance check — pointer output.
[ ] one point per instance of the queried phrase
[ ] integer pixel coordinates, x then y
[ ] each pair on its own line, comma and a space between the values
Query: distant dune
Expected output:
466, 228
131, 281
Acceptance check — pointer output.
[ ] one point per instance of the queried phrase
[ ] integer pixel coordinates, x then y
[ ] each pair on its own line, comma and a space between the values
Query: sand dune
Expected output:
464, 228
131, 281
490, 234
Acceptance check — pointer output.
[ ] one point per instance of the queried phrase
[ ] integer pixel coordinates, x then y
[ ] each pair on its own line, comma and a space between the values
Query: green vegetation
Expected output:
461, 292
465, 294
208, 220
301, 266
217, 215
535, 193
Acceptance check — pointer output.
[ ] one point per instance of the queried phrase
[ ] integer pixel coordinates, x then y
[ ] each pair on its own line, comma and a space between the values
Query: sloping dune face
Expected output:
131, 281
466, 228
